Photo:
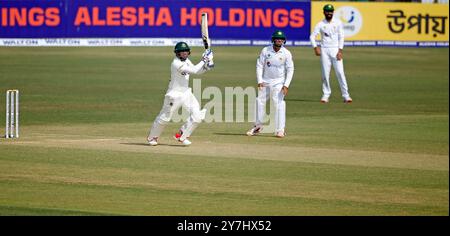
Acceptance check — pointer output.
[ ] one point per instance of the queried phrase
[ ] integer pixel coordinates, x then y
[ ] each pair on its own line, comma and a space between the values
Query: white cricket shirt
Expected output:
274, 67
179, 74
331, 33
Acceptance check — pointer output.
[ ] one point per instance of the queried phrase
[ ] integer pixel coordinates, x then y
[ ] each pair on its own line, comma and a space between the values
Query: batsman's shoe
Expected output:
254, 131
348, 100
186, 142
280, 134
152, 141
177, 136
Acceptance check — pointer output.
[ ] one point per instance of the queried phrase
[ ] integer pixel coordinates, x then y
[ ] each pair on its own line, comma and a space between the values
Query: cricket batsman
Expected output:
274, 72
180, 95
330, 52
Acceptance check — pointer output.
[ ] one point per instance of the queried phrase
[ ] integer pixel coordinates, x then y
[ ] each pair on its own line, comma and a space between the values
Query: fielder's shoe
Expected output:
348, 100
324, 100
152, 141
280, 134
254, 131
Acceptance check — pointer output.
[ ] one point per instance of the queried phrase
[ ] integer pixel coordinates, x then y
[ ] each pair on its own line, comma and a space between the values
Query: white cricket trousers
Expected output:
276, 95
172, 102
328, 59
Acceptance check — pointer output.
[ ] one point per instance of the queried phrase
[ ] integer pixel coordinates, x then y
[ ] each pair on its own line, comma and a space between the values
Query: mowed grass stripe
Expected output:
32, 211
113, 200
205, 148
227, 140
212, 177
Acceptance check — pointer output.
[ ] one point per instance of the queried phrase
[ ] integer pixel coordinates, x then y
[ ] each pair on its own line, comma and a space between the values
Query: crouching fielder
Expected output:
274, 72
180, 95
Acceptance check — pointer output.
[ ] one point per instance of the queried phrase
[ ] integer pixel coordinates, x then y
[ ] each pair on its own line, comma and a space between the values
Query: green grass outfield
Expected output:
85, 114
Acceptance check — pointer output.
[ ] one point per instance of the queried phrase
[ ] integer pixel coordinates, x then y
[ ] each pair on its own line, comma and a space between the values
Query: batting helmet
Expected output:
181, 47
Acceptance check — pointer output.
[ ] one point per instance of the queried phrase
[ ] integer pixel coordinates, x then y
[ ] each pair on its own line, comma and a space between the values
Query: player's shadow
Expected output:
232, 134
264, 135
299, 100
159, 144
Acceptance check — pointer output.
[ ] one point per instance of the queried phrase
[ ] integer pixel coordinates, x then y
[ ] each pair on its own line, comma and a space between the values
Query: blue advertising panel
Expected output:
32, 19
253, 20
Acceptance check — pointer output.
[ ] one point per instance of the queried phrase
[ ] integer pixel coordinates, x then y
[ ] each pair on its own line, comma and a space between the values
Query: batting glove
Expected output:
210, 56
205, 56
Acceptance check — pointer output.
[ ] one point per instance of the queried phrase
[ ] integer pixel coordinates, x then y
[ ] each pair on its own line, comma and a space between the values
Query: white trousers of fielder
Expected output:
328, 59
276, 95
172, 102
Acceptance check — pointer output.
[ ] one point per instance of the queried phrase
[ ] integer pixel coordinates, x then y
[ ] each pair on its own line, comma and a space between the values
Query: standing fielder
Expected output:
330, 52
274, 72
179, 94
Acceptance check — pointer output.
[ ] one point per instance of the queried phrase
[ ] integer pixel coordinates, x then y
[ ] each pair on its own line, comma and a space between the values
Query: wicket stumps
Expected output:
12, 113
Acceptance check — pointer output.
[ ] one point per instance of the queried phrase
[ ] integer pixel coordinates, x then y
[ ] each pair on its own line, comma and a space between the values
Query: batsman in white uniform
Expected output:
180, 95
330, 52
274, 72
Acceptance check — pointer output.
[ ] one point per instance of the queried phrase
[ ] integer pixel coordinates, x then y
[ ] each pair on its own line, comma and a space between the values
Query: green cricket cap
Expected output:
328, 7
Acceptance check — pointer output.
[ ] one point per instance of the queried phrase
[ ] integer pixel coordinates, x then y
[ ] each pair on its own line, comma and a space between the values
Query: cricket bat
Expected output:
205, 36
205, 33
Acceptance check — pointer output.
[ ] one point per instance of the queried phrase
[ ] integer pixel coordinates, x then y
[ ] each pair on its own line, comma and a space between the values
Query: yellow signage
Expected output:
388, 21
